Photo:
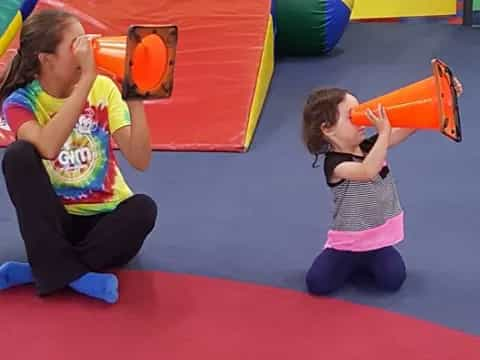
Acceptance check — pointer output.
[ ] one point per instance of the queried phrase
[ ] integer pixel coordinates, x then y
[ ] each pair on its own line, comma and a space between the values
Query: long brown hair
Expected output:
41, 33
321, 109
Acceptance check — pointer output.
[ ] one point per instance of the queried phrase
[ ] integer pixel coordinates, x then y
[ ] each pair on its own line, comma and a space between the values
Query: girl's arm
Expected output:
369, 168
134, 140
49, 139
400, 135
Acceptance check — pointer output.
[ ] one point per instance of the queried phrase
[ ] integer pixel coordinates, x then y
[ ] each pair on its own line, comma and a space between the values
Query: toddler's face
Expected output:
346, 132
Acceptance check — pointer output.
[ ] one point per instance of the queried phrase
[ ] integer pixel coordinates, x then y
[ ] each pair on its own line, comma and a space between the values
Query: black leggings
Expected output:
62, 247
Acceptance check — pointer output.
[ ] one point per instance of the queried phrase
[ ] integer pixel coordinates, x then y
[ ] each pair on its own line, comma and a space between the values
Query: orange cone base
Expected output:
427, 104
150, 61
449, 110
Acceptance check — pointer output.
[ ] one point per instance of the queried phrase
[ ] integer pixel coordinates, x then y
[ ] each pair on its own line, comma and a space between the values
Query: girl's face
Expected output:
344, 133
62, 65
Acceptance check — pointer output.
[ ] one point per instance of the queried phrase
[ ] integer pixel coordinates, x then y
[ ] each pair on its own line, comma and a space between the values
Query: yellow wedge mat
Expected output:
263, 82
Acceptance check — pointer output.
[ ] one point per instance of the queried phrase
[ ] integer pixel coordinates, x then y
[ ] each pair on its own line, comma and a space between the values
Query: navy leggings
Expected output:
332, 268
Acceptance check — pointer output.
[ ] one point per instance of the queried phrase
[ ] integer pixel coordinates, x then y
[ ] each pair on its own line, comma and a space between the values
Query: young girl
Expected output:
367, 217
76, 214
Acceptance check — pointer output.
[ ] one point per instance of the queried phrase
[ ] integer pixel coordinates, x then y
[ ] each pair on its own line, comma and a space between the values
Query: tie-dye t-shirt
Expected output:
85, 174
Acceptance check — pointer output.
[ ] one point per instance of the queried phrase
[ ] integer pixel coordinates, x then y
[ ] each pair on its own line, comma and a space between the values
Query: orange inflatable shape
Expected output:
427, 104
143, 61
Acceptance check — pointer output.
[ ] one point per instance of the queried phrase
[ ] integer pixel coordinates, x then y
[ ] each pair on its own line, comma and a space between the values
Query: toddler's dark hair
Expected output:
321, 109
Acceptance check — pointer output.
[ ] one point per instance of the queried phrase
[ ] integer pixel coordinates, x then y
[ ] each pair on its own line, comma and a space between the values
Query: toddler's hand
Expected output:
380, 120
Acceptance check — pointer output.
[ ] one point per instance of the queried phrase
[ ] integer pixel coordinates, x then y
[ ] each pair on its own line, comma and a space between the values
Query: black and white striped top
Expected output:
361, 205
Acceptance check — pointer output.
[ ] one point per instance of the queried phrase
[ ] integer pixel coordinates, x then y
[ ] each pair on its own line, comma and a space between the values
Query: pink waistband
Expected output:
387, 234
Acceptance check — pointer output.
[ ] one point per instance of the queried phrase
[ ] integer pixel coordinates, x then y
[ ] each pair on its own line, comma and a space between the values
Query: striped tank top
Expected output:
367, 215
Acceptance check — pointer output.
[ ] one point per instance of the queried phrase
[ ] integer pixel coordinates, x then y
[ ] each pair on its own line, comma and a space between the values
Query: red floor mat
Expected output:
220, 45
167, 316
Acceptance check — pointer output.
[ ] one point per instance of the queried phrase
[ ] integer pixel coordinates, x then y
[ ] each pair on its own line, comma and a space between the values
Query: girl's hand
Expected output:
83, 52
380, 120
134, 104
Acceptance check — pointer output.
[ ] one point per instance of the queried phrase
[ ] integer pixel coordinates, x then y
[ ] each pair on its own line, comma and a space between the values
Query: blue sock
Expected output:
13, 273
97, 285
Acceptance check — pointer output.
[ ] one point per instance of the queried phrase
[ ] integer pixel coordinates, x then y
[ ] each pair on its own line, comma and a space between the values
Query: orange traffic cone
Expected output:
427, 104
143, 61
